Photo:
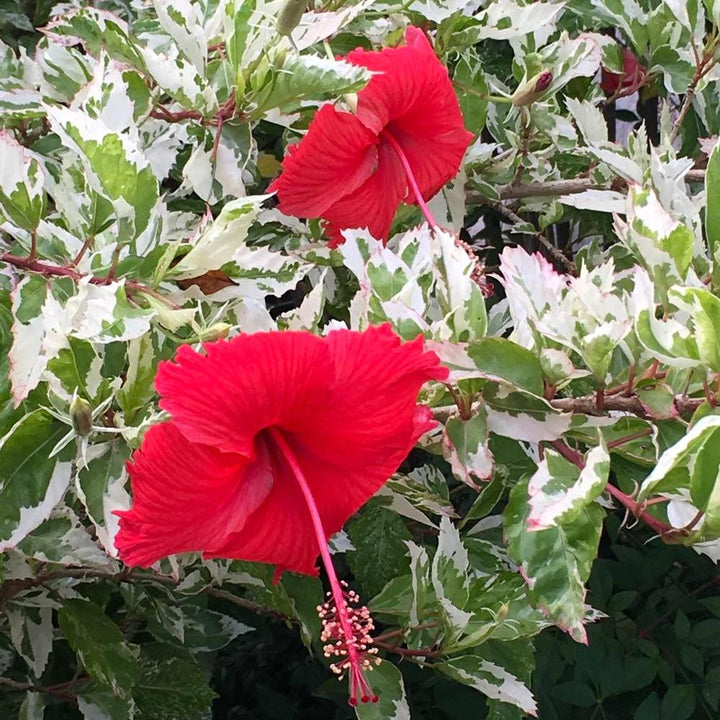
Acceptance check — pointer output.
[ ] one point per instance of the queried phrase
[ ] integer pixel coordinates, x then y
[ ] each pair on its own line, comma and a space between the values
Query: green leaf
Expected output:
96, 30
62, 539
21, 184
712, 212
31, 482
559, 491
100, 646
465, 447
114, 165
459, 296
237, 21
691, 467
471, 86
138, 389
659, 242
380, 553
499, 358
387, 684
101, 704
678, 703
522, 416
287, 81
705, 310
222, 239
490, 679
31, 632
33, 707
451, 581
100, 487
425, 487
77, 368
555, 562
170, 686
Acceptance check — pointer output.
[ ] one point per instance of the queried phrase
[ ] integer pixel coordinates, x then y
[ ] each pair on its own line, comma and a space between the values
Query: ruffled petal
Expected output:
373, 205
337, 155
187, 497
241, 386
280, 531
398, 85
371, 422
412, 98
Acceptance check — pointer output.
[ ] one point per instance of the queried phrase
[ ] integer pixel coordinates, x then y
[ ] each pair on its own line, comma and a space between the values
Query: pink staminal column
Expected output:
347, 625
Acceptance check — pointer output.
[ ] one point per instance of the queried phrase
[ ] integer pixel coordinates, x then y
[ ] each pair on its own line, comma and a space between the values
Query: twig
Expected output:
665, 531
85, 246
406, 652
588, 405
703, 65
50, 270
557, 188
7, 591
629, 438
61, 690
555, 252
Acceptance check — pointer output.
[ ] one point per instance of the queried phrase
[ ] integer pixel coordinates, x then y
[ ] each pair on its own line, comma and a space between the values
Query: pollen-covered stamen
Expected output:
346, 627
352, 655
410, 176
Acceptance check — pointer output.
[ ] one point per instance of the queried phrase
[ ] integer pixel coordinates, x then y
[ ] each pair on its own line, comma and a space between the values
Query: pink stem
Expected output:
395, 145
357, 680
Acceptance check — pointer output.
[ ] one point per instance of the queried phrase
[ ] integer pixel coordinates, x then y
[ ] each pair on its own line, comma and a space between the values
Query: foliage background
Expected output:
81, 637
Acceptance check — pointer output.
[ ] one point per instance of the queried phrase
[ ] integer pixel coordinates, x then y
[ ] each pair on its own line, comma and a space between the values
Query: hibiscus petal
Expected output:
373, 205
226, 397
187, 497
412, 98
280, 531
352, 445
336, 156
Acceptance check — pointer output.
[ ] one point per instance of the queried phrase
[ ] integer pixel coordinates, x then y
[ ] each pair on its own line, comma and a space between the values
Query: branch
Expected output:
588, 405
666, 532
61, 690
50, 270
554, 252
556, 188
10, 589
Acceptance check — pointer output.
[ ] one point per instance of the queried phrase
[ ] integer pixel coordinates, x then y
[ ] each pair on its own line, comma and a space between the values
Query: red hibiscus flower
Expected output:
629, 81
275, 440
403, 143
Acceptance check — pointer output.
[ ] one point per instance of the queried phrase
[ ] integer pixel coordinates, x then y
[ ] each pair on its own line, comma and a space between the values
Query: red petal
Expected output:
241, 386
374, 204
346, 405
336, 156
280, 531
187, 497
412, 98
371, 422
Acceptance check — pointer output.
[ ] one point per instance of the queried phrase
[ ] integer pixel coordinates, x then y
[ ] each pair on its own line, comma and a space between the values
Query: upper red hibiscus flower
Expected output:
406, 138
626, 83
275, 440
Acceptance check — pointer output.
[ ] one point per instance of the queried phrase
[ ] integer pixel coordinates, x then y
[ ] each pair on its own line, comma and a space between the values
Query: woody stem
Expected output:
337, 593
395, 145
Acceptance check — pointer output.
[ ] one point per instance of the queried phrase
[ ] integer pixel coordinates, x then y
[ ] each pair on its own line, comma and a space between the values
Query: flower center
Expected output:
412, 182
346, 625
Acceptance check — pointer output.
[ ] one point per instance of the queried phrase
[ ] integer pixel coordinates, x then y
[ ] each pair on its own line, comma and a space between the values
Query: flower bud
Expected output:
289, 16
218, 331
532, 89
81, 416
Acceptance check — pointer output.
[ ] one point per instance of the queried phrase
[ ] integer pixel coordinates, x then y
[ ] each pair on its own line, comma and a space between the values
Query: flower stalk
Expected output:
412, 182
346, 625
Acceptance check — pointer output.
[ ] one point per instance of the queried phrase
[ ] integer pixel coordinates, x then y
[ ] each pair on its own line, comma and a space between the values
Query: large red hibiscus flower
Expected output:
274, 440
403, 143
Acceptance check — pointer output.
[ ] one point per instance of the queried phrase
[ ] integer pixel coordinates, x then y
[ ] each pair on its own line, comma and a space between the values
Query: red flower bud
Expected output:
629, 81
